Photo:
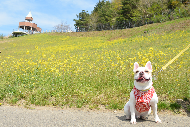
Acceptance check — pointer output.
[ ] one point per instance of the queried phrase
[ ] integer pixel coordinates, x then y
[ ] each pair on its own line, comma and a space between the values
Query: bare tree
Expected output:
62, 27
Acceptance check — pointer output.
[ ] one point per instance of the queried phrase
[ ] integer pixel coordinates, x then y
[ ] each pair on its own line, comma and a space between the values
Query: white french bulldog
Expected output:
143, 95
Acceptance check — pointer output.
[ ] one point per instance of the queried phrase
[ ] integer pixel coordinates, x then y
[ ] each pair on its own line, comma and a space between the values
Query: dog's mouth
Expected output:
142, 79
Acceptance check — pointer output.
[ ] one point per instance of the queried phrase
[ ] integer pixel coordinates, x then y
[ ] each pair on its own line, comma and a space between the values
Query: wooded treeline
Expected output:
122, 14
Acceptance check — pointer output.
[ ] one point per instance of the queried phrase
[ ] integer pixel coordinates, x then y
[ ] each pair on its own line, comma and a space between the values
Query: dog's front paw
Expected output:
133, 121
157, 120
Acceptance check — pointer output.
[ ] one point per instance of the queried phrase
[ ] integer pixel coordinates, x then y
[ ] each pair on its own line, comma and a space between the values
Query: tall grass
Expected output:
76, 71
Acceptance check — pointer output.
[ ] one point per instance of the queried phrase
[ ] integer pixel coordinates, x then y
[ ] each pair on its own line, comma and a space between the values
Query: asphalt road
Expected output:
48, 117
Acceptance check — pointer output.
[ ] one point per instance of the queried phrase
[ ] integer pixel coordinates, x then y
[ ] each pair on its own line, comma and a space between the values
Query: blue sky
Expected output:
46, 13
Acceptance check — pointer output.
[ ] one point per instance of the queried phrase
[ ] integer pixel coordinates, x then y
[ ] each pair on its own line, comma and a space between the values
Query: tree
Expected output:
62, 27
93, 21
99, 5
126, 13
117, 5
1, 36
121, 14
172, 4
83, 21
105, 15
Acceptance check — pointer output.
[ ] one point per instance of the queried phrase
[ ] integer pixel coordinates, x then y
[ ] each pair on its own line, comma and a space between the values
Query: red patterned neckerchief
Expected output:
143, 99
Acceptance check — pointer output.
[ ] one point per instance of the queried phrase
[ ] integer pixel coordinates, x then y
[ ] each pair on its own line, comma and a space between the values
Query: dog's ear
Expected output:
148, 65
136, 65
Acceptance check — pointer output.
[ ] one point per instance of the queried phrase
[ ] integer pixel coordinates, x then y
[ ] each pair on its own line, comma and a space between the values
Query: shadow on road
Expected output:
123, 118
185, 104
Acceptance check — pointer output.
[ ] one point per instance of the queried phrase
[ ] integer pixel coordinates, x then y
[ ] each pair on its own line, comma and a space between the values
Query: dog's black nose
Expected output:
141, 73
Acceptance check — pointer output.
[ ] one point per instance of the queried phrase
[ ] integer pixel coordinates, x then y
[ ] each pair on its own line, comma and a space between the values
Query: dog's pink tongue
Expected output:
140, 78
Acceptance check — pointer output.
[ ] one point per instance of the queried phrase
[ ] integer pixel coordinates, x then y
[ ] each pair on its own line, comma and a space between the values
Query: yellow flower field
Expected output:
62, 70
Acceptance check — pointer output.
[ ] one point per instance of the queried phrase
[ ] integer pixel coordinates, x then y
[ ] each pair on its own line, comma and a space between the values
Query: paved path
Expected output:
22, 117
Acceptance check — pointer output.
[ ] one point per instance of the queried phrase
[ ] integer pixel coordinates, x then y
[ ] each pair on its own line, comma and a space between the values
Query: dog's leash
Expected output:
171, 61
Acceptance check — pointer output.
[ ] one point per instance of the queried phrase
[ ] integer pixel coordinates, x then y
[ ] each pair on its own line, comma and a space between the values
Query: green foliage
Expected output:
127, 10
82, 22
1, 36
175, 107
105, 16
121, 14
188, 108
163, 106
99, 5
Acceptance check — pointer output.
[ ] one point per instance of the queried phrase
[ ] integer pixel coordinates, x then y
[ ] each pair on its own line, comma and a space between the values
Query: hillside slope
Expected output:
94, 68
157, 28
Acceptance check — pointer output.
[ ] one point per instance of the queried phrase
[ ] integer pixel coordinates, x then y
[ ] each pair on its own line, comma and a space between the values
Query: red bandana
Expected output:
143, 99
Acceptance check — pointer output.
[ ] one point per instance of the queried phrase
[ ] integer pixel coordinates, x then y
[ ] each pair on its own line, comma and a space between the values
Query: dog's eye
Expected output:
137, 71
146, 71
